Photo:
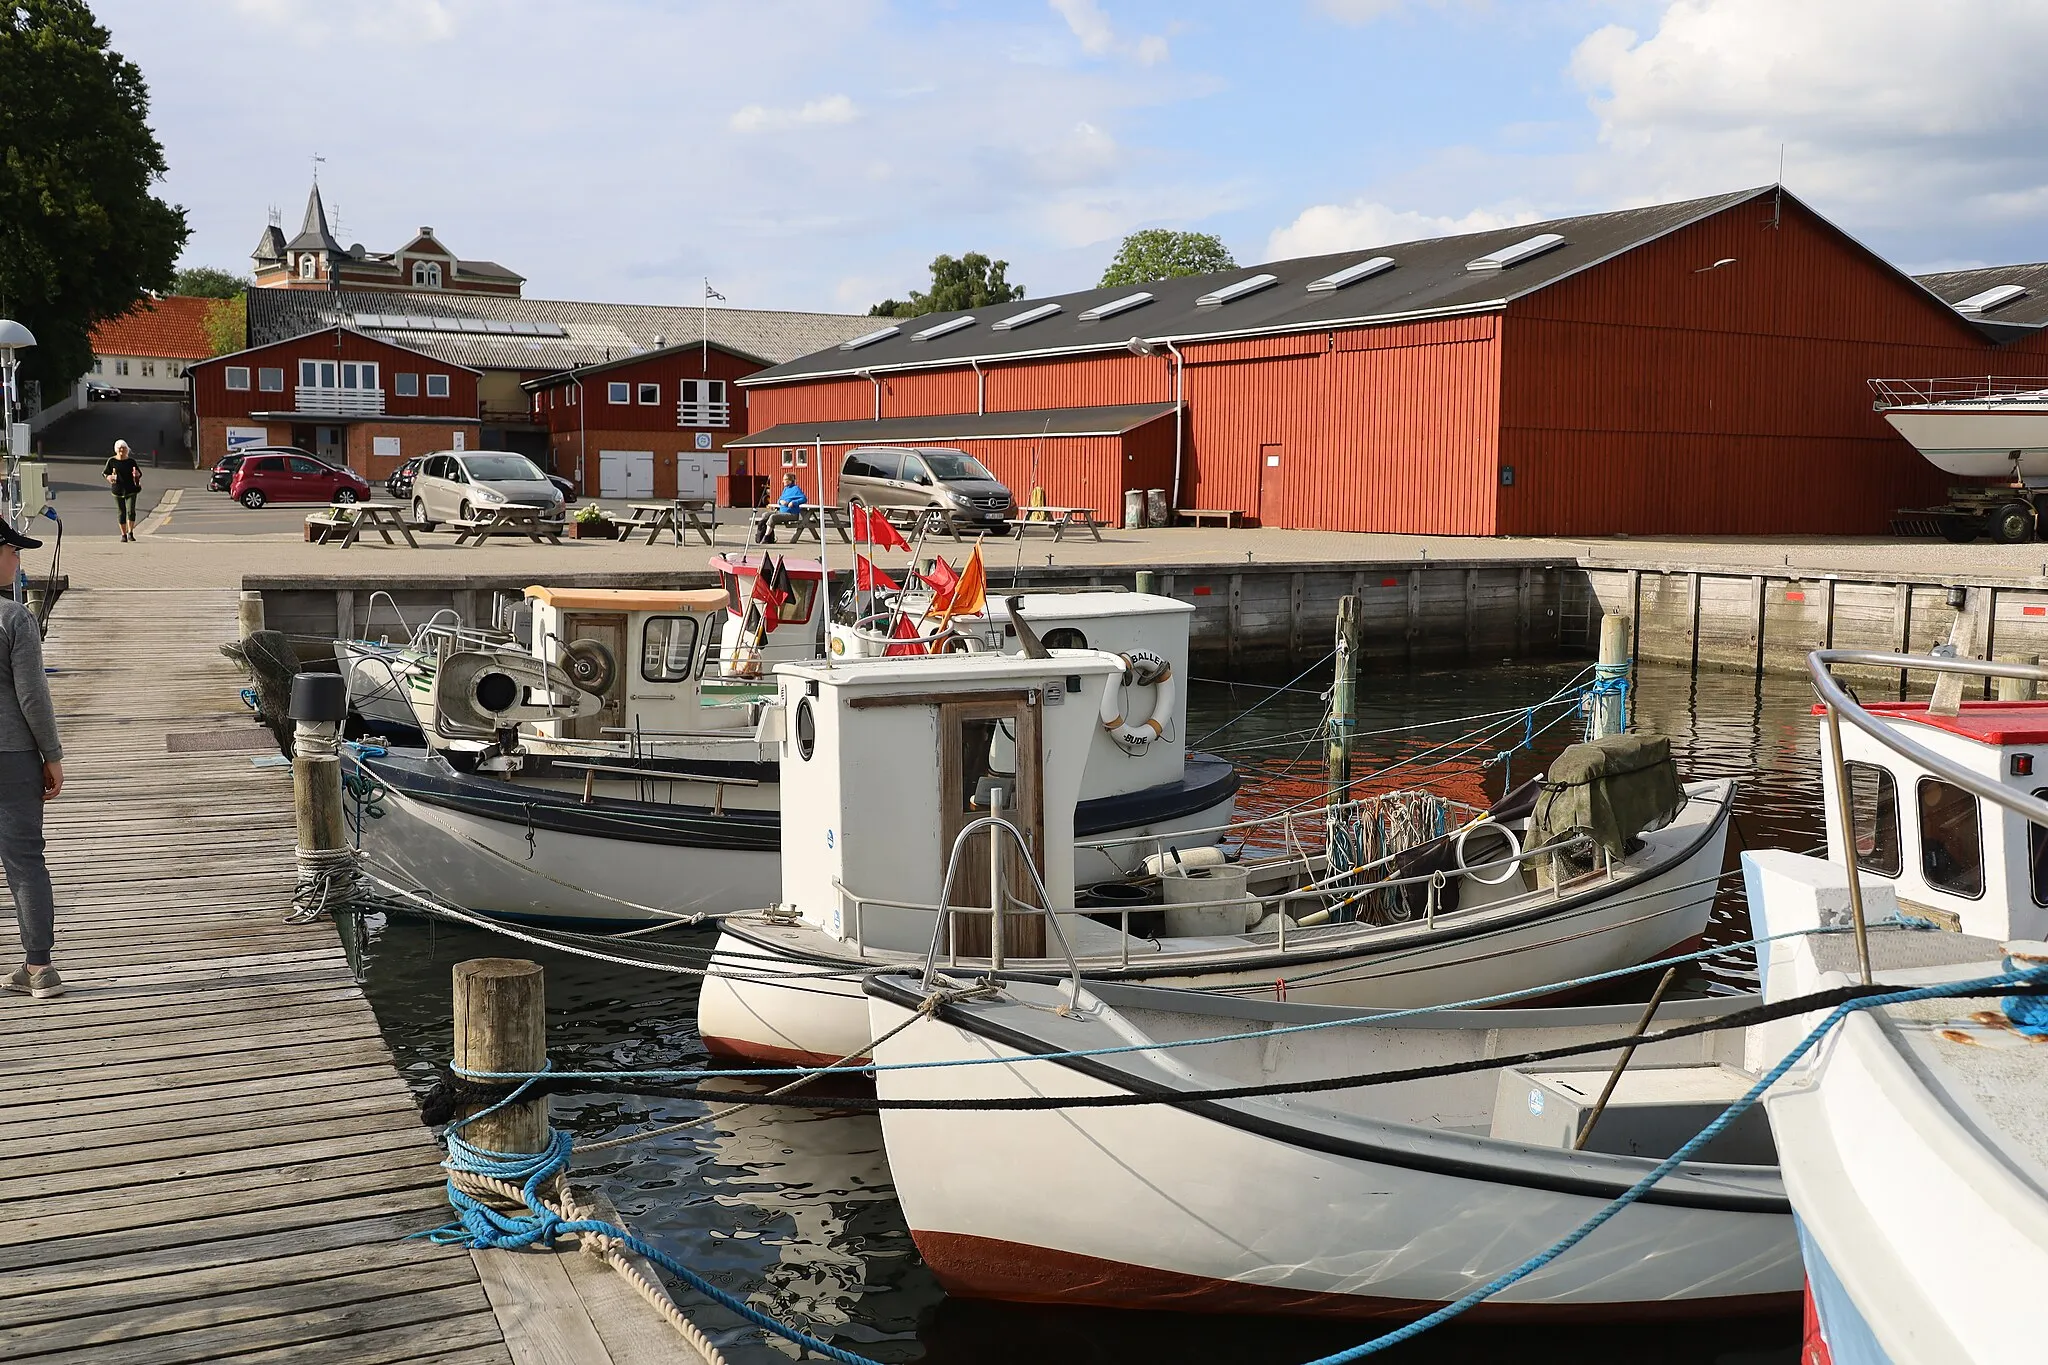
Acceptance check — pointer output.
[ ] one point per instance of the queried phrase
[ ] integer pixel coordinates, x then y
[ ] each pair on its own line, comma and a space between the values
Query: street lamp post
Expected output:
13, 338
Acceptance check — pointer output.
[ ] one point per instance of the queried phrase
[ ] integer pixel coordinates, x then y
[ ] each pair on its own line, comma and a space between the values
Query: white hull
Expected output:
488, 866
1915, 1150
1977, 442
1485, 952
1281, 1206
385, 685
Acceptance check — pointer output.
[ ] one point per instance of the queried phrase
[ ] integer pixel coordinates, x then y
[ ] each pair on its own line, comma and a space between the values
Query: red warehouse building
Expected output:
654, 424
347, 397
1696, 367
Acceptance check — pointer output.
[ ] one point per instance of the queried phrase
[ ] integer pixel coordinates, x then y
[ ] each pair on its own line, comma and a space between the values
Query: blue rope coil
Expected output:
480, 1227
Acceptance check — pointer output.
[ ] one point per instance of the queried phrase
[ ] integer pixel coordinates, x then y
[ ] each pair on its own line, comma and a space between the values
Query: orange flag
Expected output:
970, 594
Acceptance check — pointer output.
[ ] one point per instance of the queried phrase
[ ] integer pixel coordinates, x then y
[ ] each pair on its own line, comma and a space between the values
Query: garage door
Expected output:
625, 473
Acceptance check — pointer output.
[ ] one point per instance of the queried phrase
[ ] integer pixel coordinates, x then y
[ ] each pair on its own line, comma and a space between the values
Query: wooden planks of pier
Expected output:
206, 1152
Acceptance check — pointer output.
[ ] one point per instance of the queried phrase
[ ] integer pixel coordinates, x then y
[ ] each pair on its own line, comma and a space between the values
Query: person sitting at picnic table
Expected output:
787, 507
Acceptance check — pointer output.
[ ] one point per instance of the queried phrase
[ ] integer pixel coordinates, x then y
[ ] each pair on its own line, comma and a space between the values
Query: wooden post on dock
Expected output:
1343, 701
1965, 641
249, 613
1610, 707
2018, 689
327, 873
501, 1025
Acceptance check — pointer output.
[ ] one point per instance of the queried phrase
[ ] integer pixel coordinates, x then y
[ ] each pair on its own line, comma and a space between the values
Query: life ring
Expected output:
1514, 842
1141, 668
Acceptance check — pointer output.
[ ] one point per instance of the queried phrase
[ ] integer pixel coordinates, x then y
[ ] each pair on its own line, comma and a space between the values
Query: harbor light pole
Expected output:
13, 338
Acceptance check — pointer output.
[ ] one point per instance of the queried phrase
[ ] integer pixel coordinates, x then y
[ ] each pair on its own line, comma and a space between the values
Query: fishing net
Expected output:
267, 657
1377, 829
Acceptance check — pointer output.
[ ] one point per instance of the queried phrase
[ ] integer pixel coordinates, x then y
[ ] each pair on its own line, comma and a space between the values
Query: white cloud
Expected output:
1357, 11
1893, 111
757, 118
1099, 38
1328, 228
313, 23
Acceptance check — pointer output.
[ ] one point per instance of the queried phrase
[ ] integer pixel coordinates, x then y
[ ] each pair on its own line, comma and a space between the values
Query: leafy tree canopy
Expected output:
226, 324
81, 236
208, 282
973, 281
1162, 254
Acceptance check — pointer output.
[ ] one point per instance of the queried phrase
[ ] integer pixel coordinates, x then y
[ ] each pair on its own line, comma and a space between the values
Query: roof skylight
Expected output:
942, 328
1350, 274
1250, 284
1115, 306
1517, 253
1995, 297
1027, 317
869, 338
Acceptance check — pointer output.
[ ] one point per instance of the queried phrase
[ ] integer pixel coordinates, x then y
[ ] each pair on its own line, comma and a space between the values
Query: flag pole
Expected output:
824, 564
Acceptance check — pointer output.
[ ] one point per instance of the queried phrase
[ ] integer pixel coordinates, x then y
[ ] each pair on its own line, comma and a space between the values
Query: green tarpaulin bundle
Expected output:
1611, 789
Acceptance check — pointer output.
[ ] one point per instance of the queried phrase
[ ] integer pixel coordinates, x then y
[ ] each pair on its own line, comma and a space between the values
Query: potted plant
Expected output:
591, 523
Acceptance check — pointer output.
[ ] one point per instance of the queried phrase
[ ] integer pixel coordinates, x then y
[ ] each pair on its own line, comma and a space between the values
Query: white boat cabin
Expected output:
1950, 857
934, 735
656, 650
747, 650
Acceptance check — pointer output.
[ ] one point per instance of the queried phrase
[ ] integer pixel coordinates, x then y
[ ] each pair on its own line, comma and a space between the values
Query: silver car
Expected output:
949, 481
454, 485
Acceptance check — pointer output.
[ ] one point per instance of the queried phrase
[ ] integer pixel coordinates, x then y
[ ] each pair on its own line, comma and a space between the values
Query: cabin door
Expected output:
608, 628
984, 744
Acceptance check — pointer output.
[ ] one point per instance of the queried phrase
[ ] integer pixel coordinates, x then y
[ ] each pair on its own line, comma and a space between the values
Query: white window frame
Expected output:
426, 274
307, 266
99, 365
263, 380
121, 368
405, 384
149, 369
648, 395
619, 392
237, 377
707, 408
437, 386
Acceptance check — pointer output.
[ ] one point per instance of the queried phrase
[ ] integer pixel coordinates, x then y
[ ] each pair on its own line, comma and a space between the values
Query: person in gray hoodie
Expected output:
31, 773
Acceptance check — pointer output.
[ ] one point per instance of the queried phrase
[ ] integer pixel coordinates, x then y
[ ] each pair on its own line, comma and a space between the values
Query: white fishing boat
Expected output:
1489, 907
605, 766
1384, 1201
1914, 1138
1980, 428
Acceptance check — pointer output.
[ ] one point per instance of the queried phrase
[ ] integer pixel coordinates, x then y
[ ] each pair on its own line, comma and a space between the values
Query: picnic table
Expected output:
1060, 520
348, 521
674, 516
811, 517
507, 519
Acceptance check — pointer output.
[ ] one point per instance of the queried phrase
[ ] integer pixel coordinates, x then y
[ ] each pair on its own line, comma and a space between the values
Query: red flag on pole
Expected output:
868, 578
940, 578
905, 630
872, 525
766, 593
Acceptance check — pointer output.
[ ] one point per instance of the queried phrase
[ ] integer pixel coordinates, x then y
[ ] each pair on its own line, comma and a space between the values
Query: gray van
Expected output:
918, 477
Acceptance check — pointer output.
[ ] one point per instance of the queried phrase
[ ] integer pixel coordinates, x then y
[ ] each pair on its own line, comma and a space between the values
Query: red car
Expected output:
294, 478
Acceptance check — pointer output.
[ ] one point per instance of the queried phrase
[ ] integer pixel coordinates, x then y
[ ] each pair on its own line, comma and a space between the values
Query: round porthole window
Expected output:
806, 730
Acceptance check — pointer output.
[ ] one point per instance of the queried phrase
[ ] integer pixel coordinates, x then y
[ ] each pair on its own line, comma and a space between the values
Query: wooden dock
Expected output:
206, 1151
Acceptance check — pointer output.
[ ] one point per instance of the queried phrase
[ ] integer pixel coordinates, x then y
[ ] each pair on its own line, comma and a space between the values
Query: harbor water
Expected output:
792, 1209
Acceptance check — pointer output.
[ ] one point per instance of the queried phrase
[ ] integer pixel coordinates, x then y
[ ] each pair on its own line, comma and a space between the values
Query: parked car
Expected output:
101, 393
399, 485
567, 487
452, 485
920, 477
223, 477
265, 477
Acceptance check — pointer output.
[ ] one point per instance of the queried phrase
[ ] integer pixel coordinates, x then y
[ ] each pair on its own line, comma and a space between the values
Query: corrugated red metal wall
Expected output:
1660, 393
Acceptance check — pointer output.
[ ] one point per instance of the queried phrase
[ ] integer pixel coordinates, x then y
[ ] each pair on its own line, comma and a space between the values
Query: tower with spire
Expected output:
315, 259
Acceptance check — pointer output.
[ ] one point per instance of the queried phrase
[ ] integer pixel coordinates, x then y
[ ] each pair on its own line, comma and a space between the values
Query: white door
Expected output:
625, 473
694, 478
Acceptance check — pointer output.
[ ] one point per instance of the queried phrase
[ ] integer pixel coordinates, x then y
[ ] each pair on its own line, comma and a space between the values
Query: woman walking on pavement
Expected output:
31, 773
126, 477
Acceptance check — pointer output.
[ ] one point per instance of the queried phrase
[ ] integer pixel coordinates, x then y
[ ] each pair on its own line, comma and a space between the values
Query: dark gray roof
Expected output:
269, 247
594, 332
634, 358
313, 233
1428, 278
1109, 420
2007, 321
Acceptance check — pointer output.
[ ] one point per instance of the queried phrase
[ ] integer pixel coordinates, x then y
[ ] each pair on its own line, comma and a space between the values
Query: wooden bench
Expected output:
1223, 516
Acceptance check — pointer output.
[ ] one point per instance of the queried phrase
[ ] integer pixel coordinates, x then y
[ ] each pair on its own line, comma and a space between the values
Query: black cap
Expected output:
10, 536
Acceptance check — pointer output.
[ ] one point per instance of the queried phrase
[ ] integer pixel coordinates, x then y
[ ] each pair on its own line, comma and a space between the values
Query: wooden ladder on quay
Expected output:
206, 1151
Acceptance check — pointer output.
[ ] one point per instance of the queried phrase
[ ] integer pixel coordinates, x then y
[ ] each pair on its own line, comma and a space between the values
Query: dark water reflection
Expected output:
794, 1212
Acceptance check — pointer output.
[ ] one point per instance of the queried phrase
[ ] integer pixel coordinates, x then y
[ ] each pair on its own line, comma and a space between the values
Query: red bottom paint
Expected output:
985, 1268
768, 1052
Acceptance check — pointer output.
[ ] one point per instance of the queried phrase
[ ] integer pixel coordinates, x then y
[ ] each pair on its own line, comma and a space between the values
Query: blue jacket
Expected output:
789, 499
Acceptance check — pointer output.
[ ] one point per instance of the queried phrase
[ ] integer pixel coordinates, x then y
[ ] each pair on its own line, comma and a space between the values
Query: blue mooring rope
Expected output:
482, 1228
1983, 985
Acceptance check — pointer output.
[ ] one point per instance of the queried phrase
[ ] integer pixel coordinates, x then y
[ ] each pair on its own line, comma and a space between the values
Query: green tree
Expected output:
81, 236
208, 282
972, 281
226, 324
1162, 254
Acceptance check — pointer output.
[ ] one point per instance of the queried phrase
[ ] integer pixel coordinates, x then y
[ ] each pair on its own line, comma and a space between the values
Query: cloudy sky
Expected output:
818, 155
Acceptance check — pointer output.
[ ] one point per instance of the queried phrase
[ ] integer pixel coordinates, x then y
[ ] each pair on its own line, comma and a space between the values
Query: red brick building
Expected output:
344, 396
1684, 368
314, 259
654, 424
